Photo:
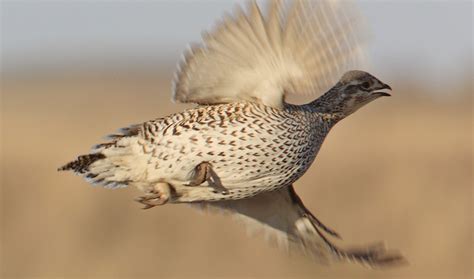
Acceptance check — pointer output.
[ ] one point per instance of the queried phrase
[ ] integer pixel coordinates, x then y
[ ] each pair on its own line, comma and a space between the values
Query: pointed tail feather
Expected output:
111, 164
82, 163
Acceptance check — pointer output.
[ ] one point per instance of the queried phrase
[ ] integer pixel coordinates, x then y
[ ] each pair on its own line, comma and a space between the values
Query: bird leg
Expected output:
215, 182
203, 172
158, 195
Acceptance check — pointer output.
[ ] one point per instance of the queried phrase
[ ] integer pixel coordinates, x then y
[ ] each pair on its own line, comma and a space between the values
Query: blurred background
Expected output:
400, 170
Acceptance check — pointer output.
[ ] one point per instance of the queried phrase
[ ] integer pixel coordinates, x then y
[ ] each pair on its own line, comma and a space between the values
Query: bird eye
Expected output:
365, 85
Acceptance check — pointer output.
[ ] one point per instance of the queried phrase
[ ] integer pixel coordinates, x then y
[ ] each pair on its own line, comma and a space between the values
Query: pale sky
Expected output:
425, 40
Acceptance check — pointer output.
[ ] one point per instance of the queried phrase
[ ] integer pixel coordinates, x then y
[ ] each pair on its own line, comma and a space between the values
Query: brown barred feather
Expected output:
82, 163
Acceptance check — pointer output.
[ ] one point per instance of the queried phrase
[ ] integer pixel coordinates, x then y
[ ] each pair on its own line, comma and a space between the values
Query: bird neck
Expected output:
327, 105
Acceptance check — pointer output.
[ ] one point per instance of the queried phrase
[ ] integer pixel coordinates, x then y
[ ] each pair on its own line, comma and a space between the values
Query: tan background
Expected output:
399, 170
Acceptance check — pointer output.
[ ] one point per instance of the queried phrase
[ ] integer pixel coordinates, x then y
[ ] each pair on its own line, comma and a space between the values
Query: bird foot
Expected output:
159, 195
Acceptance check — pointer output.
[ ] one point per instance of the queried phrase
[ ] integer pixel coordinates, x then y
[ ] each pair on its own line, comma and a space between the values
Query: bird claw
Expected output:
158, 196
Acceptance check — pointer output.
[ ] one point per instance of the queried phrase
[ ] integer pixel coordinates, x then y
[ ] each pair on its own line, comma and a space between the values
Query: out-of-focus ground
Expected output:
399, 170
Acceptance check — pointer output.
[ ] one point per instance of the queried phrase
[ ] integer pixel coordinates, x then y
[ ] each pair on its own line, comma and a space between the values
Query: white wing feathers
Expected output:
301, 47
286, 221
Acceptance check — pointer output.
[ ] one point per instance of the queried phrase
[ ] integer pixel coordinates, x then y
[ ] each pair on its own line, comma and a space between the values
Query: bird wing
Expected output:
286, 221
300, 47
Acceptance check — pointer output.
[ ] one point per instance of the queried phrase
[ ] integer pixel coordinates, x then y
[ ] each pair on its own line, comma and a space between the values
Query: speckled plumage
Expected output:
252, 147
243, 149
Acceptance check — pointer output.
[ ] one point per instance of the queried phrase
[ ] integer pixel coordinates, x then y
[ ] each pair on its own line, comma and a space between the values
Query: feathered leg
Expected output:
204, 172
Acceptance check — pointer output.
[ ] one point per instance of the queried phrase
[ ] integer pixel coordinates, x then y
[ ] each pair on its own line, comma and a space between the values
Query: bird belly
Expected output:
244, 158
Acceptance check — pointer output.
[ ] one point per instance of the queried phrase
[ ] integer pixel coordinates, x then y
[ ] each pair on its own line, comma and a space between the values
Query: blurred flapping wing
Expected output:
286, 221
300, 47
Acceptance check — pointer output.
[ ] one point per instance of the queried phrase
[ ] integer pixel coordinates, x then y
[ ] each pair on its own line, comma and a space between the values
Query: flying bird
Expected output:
243, 146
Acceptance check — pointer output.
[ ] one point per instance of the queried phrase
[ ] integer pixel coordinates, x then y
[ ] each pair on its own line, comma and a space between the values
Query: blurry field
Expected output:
399, 170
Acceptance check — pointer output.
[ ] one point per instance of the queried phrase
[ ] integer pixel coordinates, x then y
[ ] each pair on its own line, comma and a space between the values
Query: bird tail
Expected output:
112, 164
96, 168
82, 163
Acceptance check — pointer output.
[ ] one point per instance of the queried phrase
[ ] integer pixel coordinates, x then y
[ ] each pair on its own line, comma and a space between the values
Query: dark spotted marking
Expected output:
193, 139
175, 131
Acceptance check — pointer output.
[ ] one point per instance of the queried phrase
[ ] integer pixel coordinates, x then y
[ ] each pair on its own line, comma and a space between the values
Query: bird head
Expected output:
354, 90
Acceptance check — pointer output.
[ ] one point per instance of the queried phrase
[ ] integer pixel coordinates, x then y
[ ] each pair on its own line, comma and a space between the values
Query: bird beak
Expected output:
381, 87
